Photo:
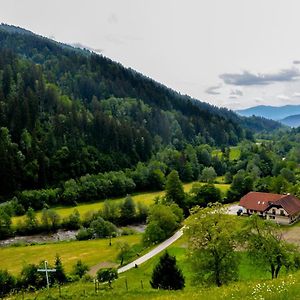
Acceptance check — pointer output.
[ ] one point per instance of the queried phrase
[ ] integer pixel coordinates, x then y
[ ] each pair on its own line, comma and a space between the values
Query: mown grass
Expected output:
254, 283
90, 252
146, 198
234, 153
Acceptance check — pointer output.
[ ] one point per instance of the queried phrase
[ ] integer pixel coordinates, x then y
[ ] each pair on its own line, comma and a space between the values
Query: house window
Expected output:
274, 211
272, 217
282, 212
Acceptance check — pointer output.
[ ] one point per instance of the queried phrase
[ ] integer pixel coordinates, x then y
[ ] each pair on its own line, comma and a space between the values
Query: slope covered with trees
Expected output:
65, 113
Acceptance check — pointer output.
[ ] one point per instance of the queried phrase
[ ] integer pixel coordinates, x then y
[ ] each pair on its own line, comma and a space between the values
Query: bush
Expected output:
84, 234
31, 277
107, 275
80, 269
163, 220
102, 228
73, 221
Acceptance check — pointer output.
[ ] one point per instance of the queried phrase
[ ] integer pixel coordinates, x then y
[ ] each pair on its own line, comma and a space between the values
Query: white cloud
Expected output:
283, 97
296, 94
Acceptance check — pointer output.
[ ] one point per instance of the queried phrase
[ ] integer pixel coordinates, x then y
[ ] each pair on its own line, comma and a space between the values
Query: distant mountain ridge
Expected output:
292, 121
271, 112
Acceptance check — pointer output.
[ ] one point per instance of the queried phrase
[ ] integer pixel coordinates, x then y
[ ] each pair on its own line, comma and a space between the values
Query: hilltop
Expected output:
66, 112
271, 112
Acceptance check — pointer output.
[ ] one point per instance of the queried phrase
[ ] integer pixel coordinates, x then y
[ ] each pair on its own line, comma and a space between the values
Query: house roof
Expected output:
289, 203
262, 201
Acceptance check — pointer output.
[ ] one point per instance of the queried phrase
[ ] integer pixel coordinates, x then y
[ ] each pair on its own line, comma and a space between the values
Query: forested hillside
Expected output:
65, 112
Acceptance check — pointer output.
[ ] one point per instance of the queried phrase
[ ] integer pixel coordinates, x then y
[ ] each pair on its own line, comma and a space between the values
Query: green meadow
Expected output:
234, 154
90, 252
147, 198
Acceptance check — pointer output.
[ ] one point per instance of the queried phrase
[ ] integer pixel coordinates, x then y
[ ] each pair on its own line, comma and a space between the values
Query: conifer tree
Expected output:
60, 275
166, 275
174, 189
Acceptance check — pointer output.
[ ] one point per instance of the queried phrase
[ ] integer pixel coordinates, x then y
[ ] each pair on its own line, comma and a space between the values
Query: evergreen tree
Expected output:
174, 189
59, 275
5, 225
7, 283
166, 274
127, 210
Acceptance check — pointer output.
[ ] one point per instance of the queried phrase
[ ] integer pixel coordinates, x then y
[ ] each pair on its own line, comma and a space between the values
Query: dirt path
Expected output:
292, 235
105, 264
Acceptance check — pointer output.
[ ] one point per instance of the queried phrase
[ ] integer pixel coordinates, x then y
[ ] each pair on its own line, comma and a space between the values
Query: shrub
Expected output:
80, 269
84, 234
107, 275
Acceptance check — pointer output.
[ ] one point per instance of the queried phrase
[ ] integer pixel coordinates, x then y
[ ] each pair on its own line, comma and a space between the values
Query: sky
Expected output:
233, 53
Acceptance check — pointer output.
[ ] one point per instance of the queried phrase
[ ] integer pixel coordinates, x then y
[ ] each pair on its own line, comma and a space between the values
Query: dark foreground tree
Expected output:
7, 283
107, 275
212, 240
166, 274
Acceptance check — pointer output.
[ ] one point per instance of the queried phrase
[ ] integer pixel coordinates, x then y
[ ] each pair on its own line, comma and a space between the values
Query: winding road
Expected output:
231, 210
153, 252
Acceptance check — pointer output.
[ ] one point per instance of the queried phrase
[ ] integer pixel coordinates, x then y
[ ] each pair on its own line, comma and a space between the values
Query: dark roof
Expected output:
262, 201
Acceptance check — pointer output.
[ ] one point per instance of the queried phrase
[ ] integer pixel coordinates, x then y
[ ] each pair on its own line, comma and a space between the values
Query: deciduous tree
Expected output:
211, 243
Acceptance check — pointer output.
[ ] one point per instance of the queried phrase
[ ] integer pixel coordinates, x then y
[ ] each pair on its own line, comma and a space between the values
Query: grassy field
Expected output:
146, 198
234, 153
279, 289
254, 283
90, 252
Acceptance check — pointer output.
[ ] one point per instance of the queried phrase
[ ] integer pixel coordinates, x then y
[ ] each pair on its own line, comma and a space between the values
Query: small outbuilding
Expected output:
282, 209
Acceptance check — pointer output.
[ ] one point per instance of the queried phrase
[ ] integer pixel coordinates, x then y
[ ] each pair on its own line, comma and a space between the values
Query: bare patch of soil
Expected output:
292, 235
104, 264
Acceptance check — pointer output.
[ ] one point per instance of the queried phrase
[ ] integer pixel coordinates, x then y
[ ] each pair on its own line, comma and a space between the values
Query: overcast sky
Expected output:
233, 53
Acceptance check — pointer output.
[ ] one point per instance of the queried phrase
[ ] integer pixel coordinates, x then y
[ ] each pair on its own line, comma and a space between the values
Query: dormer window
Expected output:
282, 212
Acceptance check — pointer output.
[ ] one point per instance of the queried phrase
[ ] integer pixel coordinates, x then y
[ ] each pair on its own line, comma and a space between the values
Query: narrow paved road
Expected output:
153, 252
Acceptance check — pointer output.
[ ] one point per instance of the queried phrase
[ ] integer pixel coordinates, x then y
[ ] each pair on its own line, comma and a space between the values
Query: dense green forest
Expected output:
66, 112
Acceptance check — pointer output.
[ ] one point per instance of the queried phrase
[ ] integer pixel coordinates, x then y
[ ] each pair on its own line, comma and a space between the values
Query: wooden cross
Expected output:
46, 270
